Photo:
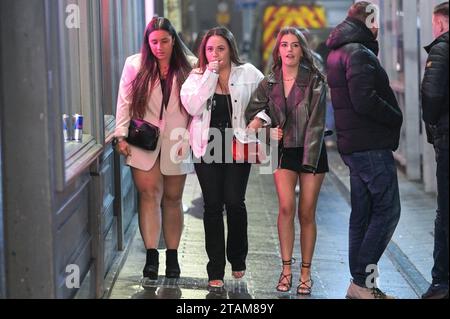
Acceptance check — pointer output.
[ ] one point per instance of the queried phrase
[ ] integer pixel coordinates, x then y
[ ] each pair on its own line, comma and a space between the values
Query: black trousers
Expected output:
224, 185
441, 246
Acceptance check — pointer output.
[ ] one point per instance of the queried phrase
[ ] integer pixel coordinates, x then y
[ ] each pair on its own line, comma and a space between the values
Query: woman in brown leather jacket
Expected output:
294, 98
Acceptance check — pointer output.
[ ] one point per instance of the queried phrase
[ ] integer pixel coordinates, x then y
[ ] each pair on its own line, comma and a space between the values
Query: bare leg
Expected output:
150, 187
172, 217
309, 193
285, 182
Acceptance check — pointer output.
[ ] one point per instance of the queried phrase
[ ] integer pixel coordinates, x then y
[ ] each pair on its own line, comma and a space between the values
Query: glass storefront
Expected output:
392, 55
392, 39
405, 29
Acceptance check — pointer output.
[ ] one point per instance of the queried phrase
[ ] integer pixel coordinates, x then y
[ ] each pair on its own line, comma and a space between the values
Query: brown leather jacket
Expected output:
310, 99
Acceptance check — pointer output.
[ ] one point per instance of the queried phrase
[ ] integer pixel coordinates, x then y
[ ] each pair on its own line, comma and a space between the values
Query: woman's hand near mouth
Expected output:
214, 66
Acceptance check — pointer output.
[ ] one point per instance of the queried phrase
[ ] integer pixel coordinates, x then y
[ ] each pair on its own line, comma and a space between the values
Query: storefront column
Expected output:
412, 89
149, 10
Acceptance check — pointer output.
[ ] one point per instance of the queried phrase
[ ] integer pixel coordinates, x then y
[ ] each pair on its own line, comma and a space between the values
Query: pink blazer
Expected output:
174, 123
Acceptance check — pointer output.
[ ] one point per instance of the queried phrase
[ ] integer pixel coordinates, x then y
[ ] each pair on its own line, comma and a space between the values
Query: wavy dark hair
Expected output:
228, 36
149, 73
307, 54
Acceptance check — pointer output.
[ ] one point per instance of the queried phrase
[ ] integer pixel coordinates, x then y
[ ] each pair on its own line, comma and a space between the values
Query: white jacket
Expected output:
198, 91
173, 119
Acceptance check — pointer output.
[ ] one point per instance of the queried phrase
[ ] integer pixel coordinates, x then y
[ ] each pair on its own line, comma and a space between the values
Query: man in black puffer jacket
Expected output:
435, 108
368, 122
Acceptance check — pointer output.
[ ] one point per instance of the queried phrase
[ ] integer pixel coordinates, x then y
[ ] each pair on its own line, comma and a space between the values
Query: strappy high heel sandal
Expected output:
304, 288
285, 281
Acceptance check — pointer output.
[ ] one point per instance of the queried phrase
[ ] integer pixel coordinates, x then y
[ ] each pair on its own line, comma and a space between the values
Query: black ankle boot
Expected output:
151, 264
172, 266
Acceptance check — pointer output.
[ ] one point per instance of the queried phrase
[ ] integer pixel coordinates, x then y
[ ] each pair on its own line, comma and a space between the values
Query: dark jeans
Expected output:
375, 209
440, 253
224, 184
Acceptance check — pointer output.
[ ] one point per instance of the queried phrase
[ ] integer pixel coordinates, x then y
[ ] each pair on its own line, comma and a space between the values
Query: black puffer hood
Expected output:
352, 31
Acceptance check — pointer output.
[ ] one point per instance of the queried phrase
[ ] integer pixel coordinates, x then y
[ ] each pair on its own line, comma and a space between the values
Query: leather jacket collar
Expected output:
303, 76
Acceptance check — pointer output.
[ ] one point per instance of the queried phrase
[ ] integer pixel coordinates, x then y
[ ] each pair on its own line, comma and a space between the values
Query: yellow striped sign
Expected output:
278, 17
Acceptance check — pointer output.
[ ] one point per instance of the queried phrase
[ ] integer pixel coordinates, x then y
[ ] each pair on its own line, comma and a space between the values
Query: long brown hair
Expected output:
148, 74
307, 54
228, 36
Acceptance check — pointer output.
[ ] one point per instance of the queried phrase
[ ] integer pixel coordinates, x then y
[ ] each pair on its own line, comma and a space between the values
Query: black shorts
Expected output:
291, 159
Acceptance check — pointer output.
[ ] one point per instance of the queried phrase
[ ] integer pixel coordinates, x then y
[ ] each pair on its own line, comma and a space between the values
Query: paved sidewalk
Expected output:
404, 269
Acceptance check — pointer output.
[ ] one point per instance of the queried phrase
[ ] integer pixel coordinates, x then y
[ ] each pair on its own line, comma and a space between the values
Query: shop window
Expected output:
87, 43
73, 45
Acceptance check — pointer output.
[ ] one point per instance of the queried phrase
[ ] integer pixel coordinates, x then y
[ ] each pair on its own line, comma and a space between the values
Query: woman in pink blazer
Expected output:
150, 81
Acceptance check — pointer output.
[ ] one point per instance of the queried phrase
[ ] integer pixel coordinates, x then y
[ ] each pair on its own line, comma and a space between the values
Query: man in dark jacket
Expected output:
368, 122
435, 114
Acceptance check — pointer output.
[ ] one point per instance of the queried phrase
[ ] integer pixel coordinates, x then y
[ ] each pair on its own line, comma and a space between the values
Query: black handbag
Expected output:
143, 134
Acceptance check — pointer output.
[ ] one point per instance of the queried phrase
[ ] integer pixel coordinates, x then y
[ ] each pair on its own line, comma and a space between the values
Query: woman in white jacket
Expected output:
151, 82
216, 95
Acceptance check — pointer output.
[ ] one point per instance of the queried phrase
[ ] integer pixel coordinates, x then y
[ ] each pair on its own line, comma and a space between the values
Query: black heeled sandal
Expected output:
287, 277
304, 288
